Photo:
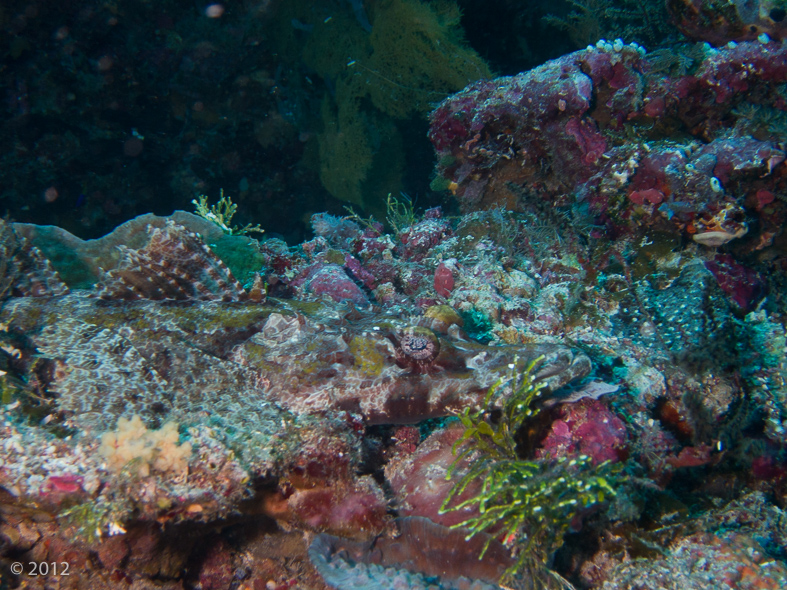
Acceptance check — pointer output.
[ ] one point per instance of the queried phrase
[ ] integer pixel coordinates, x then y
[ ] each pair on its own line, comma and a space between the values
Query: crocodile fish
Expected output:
169, 332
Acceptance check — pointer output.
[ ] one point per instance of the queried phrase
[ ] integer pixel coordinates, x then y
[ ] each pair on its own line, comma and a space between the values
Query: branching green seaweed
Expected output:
400, 214
527, 503
222, 213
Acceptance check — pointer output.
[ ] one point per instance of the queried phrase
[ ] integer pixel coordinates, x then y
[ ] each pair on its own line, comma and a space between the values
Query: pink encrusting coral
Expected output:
557, 132
443, 280
586, 427
418, 479
330, 280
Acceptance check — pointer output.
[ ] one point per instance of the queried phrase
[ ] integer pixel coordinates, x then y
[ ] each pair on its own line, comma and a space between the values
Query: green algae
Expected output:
367, 358
530, 502
256, 356
242, 256
478, 325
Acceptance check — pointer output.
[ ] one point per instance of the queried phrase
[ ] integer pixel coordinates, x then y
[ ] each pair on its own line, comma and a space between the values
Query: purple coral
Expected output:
587, 427
556, 131
536, 127
332, 281
416, 241
741, 284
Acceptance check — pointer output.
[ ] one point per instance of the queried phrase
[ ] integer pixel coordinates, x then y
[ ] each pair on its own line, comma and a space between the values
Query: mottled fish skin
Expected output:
360, 367
167, 360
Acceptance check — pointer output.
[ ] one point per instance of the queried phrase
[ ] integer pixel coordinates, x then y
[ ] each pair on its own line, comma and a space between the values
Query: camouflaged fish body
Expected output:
168, 360
170, 333
366, 366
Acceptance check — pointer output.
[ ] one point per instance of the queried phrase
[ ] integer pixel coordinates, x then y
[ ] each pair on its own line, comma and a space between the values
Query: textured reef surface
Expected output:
587, 367
168, 424
630, 147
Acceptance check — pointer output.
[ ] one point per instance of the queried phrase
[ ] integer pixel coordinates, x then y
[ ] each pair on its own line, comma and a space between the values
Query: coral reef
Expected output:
571, 373
230, 373
382, 368
637, 270
736, 21
586, 132
311, 411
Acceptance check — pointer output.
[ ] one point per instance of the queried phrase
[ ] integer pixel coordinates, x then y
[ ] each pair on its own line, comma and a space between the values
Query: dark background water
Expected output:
113, 109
